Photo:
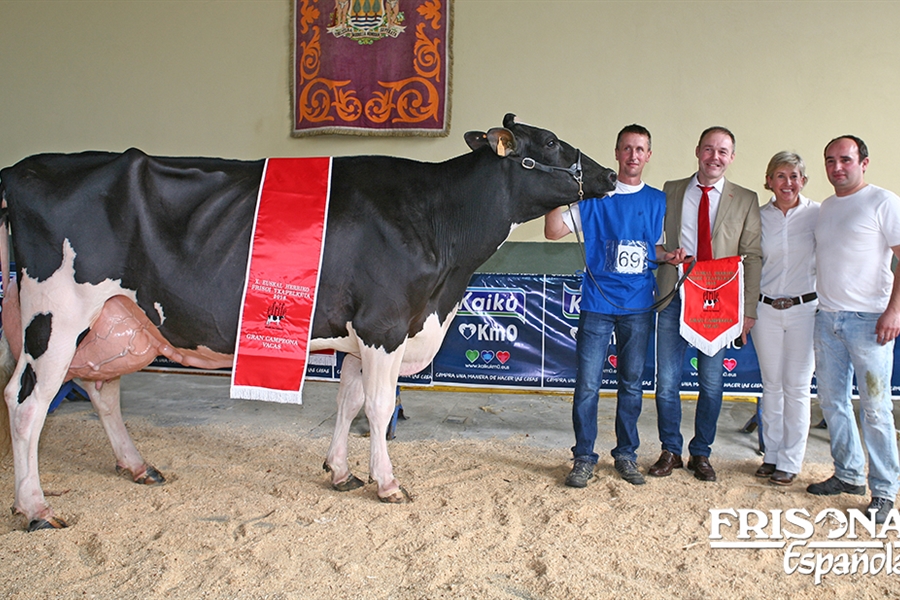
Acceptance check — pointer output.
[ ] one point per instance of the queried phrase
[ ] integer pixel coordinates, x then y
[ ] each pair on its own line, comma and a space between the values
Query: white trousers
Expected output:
784, 345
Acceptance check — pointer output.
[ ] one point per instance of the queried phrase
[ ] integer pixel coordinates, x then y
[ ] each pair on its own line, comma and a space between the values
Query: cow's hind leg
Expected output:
379, 374
106, 400
7, 366
34, 383
350, 399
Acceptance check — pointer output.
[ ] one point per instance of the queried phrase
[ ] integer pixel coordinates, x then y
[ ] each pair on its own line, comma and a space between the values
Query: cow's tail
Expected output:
7, 366
7, 360
4, 241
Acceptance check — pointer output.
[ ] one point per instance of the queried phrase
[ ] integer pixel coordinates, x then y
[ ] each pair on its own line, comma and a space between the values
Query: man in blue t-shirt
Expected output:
622, 239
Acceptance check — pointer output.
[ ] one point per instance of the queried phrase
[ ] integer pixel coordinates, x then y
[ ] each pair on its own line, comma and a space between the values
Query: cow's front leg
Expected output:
106, 400
379, 373
350, 399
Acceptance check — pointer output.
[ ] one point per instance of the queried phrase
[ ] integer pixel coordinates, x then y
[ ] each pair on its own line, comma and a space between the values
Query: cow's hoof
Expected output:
352, 483
49, 523
150, 476
401, 496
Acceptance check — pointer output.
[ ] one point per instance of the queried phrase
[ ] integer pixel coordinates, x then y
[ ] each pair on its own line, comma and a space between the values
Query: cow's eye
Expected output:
551, 144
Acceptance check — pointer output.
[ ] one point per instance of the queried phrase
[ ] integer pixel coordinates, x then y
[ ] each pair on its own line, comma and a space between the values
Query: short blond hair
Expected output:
785, 159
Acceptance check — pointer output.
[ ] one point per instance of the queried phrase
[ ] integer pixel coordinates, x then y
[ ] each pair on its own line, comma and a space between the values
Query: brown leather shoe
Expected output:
765, 470
782, 478
701, 468
666, 463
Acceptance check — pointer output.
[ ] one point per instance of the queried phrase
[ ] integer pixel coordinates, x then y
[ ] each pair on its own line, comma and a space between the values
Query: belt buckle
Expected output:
782, 303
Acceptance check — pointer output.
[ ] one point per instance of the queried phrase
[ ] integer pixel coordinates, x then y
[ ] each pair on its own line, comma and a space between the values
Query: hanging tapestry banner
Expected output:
371, 67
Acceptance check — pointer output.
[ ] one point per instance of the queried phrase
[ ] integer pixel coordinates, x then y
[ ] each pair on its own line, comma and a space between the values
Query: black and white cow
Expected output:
123, 257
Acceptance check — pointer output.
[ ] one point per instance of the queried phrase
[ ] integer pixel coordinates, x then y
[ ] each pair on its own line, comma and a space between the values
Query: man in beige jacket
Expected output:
735, 230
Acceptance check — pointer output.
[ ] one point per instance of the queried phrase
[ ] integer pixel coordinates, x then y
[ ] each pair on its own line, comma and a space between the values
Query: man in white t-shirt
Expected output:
857, 322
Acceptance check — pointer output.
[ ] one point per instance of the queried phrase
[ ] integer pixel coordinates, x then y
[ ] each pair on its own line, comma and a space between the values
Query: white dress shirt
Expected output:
690, 210
789, 249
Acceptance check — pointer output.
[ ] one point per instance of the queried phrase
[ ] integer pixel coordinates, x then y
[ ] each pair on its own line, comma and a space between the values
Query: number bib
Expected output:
626, 256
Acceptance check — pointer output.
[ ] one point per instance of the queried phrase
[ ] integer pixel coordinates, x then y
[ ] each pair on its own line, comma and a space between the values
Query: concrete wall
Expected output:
211, 77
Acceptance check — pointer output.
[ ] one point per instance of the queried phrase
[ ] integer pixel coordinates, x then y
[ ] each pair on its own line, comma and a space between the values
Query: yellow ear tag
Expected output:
501, 148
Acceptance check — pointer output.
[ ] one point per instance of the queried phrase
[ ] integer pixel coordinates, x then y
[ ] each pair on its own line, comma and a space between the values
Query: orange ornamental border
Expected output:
371, 67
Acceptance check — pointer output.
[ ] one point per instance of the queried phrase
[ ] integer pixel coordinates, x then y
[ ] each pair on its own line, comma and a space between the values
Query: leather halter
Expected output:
575, 170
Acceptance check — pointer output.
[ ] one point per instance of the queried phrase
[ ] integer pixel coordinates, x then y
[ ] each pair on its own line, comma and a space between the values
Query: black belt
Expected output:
782, 303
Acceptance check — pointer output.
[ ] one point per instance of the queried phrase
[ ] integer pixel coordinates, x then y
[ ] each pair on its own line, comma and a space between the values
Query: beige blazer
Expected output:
736, 232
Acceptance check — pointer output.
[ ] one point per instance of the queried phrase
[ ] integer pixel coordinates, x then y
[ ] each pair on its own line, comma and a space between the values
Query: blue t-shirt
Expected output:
620, 235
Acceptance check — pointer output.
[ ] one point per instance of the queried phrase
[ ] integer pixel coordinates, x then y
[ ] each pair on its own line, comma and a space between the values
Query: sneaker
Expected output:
834, 486
881, 506
629, 471
581, 471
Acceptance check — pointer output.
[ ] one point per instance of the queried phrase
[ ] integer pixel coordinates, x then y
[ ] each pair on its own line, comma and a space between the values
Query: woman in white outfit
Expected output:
783, 334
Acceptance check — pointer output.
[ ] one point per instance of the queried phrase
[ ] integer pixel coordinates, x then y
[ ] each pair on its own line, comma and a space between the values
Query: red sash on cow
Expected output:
282, 279
712, 304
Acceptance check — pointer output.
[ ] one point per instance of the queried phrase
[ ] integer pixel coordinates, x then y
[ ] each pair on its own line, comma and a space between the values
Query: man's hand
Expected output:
675, 257
748, 325
888, 326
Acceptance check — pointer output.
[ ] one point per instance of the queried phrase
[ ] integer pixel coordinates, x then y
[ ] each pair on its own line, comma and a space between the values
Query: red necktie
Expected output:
704, 236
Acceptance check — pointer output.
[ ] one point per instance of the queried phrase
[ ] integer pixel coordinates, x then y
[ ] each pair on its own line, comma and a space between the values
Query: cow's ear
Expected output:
476, 139
502, 141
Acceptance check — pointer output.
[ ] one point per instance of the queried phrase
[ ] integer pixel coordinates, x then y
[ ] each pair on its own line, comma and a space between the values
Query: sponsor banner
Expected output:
561, 332
543, 347
561, 310
496, 337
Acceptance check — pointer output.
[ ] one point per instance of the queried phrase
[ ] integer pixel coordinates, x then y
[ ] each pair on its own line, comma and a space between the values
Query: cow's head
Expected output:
557, 173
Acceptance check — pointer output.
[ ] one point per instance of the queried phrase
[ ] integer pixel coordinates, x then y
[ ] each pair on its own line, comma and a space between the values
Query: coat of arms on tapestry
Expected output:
371, 67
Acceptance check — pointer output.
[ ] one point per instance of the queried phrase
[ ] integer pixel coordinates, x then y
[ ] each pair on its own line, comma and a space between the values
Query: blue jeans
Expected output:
633, 333
670, 348
845, 342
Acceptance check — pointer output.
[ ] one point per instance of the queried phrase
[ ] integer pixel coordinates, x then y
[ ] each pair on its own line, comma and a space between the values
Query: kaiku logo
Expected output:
571, 306
496, 302
854, 544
